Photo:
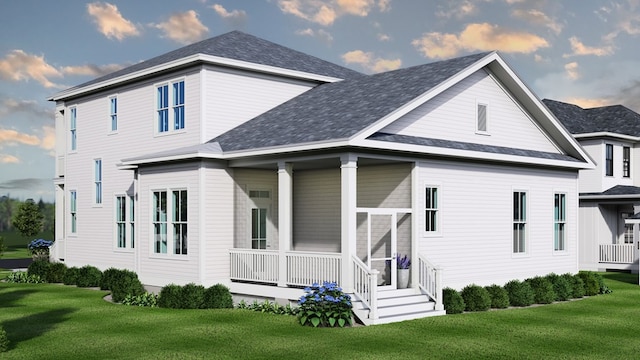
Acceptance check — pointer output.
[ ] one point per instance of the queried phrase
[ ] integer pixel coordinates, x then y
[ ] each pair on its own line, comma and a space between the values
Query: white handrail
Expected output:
306, 268
254, 265
365, 286
617, 253
430, 280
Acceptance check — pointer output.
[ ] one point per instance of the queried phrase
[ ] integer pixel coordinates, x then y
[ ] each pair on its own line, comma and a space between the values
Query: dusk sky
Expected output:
583, 52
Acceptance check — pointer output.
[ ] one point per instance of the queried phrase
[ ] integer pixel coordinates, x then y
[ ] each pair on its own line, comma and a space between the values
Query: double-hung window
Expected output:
626, 161
170, 217
113, 113
160, 222
432, 209
519, 222
72, 128
180, 222
170, 106
608, 160
132, 221
98, 181
559, 223
73, 209
121, 224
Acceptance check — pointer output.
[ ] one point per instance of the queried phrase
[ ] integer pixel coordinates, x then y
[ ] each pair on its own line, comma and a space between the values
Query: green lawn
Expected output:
53, 321
16, 244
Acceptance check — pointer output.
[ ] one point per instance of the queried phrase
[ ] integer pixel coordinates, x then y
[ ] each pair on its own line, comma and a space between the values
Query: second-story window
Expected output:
170, 106
163, 108
113, 113
72, 128
98, 180
608, 160
178, 105
626, 161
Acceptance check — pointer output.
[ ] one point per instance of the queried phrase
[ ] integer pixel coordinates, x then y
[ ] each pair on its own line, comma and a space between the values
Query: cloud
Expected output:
478, 37
587, 103
326, 12
355, 7
48, 141
236, 18
384, 37
92, 69
321, 34
572, 70
539, 18
10, 106
8, 159
368, 61
20, 66
580, 49
110, 22
183, 28
26, 184
384, 5
457, 9
12, 137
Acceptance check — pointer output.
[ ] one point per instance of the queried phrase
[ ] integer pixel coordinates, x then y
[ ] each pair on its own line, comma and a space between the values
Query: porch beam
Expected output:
285, 218
348, 202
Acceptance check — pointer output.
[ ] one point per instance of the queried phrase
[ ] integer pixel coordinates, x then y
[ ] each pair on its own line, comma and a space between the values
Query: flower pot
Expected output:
403, 278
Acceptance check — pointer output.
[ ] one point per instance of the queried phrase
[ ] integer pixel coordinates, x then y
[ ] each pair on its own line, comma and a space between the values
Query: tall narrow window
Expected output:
98, 180
180, 222
121, 217
258, 228
178, 105
482, 117
72, 128
132, 217
163, 108
73, 209
160, 222
560, 213
626, 161
113, 113
609, 160
628, 233
431, 209
519, 222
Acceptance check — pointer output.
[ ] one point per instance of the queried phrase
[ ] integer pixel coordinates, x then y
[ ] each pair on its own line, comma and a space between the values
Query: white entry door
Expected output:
382, 239
260, 218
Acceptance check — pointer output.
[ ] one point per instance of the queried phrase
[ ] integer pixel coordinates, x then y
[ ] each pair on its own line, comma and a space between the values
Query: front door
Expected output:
259, 218
382, 248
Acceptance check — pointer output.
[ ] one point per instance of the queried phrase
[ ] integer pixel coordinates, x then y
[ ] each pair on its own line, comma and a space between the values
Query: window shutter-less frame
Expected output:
482, 117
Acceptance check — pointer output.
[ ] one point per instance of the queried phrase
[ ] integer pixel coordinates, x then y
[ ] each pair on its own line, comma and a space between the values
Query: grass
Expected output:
51, 321
16, 244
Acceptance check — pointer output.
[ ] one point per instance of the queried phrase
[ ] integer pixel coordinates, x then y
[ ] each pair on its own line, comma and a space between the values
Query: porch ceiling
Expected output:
312, 162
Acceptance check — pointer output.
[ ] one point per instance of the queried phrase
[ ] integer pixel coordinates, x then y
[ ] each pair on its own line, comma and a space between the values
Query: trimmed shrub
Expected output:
218, 297
577, 285
520, 293
591, 286
476, 298
4, 340
452, 301
71, 276
542, 290
192, 296
499, 296
561, 287
39, 267
170, 296
126, 283
604, 289
22, 277
56, 272
89, 276
109, 276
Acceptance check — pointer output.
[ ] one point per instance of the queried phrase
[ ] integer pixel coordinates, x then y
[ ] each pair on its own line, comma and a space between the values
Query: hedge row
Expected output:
536, 290
192, 296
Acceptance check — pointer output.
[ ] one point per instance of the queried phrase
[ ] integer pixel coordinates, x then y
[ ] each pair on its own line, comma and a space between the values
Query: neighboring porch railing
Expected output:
617, 253
302, 268
365, 286
430, 280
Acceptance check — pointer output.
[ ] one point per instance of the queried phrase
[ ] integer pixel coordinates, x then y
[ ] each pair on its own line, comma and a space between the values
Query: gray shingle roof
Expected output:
617, 191
340, 110
405, 139
615, 119
241, 46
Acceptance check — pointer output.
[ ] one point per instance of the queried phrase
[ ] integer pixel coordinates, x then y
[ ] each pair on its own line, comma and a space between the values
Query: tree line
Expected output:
9, 210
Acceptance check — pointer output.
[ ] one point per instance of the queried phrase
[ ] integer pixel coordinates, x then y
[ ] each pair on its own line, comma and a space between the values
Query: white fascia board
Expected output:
470, 154
216, 60
607, 134
609, 197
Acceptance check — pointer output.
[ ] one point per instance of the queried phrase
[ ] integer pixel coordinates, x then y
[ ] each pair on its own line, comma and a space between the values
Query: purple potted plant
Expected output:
403, 264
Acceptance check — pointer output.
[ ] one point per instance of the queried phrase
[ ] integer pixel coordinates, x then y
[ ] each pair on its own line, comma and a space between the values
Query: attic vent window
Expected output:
482, 118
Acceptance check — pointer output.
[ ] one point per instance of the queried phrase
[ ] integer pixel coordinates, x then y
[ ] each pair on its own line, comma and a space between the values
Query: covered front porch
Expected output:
350, 232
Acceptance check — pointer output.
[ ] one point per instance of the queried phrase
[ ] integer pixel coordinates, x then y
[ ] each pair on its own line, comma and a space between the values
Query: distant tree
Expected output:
1, 246
28, 219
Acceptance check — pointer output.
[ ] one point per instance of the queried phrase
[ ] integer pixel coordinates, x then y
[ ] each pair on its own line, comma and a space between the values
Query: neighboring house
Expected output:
610, 193
238, 161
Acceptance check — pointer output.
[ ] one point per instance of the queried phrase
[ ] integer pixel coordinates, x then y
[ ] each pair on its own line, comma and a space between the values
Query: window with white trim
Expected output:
113, 113
170, 217
559, 221
608, 160
481, 117
432, 208
132, 221
519, 222
121, 221
170, 115
72, 128
626, 161
628, 233
98, 181
73, 209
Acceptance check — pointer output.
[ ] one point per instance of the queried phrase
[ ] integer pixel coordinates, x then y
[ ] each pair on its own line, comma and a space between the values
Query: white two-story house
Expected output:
609, 193
238, 161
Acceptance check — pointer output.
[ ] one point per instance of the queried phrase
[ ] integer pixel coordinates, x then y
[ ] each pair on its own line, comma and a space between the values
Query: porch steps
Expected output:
397, 305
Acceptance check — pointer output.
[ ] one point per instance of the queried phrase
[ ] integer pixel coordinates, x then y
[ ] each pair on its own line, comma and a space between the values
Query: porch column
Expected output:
348, 204
285, 219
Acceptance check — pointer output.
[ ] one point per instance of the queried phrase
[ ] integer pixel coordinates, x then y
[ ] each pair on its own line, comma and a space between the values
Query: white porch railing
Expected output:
365, 286
617, 253
306, 268
430, 280
254, 265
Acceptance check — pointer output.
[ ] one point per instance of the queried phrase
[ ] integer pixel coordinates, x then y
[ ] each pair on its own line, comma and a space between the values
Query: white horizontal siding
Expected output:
235, 96
451, 115
476, 244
